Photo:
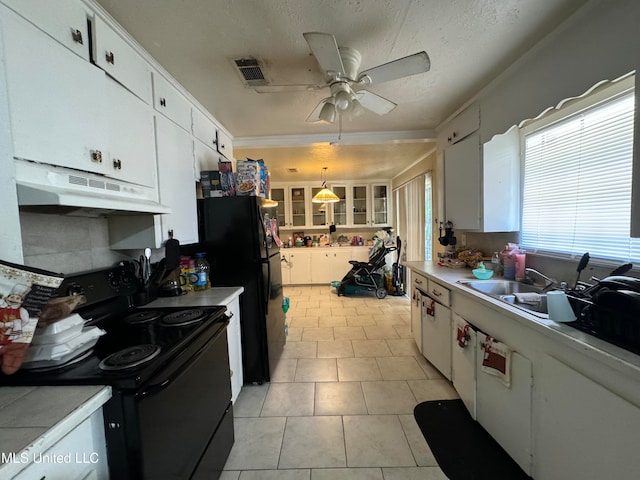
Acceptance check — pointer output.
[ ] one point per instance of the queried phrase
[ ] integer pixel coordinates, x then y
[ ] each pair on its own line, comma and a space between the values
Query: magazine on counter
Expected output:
24, 292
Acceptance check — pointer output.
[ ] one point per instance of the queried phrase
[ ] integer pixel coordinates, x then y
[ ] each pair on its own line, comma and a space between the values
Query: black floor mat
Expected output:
463, 449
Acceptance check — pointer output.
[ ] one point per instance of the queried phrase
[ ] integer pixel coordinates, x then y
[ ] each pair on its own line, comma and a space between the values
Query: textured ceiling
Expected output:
469, 43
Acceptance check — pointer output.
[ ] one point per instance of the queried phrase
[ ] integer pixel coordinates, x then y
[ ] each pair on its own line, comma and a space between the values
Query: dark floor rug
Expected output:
463, 449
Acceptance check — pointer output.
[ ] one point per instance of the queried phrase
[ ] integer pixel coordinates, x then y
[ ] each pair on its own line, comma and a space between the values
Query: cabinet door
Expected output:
360, 204
586, 422
339, 209
131, 137
319, 211
176, 181
436, 337
462, 174
463, 362
116, 57
234, 340
278, 194
49, 83
463, 125
380, 204
416, 317
225, 146
505, 412
64, 20
170, 102
300, 267
286, 268
299, 198
206, 158
204, 129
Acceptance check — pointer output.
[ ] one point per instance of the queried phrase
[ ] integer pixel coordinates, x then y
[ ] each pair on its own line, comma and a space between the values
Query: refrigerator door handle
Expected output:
267, 288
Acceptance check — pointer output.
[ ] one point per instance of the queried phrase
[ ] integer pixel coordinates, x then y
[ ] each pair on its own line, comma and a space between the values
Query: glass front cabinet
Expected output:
360, 205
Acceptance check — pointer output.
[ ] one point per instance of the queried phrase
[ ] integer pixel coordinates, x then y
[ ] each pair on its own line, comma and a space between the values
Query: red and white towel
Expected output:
497, 359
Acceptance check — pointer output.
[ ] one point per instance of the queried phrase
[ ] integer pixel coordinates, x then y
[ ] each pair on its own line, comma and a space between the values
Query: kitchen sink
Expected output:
507, 291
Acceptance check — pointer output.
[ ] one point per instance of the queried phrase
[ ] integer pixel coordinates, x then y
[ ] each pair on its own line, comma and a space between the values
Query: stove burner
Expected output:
183, 317
142, 316
130, 357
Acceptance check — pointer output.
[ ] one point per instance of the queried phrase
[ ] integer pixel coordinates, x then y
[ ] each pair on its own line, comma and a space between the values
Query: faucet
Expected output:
550, 281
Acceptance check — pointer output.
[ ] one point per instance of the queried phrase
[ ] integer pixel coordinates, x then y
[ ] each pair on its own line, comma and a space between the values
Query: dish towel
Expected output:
497, 360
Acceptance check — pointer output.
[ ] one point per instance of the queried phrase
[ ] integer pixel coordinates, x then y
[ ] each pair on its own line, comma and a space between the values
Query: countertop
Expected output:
202, 298
614, 356
33, 419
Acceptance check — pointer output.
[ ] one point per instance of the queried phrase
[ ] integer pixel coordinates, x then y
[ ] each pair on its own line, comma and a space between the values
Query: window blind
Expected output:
577, 184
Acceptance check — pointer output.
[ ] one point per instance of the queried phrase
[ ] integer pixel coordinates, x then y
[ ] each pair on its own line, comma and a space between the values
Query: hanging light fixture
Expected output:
325, 195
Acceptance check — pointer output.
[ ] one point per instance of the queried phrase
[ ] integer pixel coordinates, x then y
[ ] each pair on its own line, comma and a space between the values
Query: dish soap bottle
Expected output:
495, 263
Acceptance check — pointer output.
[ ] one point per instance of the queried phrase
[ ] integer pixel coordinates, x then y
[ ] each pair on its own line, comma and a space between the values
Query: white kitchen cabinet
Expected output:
329, 264
299, 202
48, 82
584, 421
505, 412
176, 180
131, 137
420, 285
234, 339
436, 329
461, 126
300, 266
170, 102
224, 145
370, 205
205, 157
63, 20
205, 130
279, 194
82, 453
482, 183
119, 59
320, 212
463, 361
339, 215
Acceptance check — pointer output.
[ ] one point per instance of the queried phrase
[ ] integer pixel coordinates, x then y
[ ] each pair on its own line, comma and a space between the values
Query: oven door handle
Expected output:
154, 389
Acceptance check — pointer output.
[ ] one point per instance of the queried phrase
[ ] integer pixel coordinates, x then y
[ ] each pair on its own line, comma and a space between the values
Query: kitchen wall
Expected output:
66, 244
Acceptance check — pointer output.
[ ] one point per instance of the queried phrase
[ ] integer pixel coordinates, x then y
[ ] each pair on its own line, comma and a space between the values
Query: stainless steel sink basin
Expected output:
507, 290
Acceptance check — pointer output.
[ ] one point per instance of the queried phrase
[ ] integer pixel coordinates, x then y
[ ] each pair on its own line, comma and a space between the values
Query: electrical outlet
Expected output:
463, 240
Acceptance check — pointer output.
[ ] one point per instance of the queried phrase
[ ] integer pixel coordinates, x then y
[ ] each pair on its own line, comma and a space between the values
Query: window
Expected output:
577, 180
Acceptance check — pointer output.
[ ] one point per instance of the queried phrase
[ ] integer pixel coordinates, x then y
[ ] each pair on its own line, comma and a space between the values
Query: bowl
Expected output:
482, 273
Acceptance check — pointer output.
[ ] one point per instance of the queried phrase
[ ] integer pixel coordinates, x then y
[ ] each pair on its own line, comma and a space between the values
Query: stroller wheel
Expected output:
381, 292
341, 290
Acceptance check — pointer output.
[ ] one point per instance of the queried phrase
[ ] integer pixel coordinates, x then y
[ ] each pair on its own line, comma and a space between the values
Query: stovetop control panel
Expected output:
100, 285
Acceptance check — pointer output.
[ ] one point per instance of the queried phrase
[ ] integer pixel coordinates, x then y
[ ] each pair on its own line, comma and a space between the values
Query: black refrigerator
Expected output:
243, 252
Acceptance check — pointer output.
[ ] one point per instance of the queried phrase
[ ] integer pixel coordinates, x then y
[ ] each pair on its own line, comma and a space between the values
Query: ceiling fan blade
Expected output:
375, 103
402, 67
325, 49
287, 88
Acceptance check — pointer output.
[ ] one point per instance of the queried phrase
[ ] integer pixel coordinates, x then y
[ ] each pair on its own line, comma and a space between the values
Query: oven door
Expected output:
179, 412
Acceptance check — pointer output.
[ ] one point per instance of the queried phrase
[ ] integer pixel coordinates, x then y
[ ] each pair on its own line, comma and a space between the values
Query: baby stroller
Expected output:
365, 276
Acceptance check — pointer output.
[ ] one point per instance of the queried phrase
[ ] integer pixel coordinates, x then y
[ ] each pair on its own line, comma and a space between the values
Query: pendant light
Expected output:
325, 195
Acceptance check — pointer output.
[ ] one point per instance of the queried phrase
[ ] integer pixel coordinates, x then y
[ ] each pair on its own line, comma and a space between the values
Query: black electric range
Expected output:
157, 361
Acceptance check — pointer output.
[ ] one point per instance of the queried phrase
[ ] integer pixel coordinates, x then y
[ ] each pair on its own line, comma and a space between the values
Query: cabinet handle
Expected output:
117, 164
436, 293
418, 281
76, 35
96, 156
110, 57
163, 102
449, 139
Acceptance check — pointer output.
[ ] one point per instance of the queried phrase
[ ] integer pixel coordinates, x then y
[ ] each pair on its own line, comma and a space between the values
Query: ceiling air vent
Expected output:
250, 71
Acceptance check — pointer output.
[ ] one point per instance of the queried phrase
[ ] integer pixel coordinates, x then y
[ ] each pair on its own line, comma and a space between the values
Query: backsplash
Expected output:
66, 244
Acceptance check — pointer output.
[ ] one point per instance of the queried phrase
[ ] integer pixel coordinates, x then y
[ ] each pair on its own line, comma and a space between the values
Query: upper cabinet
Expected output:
361, 205
462, 125
170, 102
64, 20
211, 143
117, 58
48, 82
481, 182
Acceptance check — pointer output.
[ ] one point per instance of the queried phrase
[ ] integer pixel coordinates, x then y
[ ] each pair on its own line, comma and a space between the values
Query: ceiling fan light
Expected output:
343, 101
325, 196
357, 109
328, 113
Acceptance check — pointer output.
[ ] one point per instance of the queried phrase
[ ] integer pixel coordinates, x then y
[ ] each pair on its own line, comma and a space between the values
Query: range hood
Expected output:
53, 189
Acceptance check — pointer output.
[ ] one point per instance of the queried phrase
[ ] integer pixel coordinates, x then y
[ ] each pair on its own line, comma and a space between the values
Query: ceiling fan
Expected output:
346, 84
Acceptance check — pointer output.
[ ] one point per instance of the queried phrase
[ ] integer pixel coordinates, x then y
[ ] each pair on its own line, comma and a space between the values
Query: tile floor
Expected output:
340, 404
